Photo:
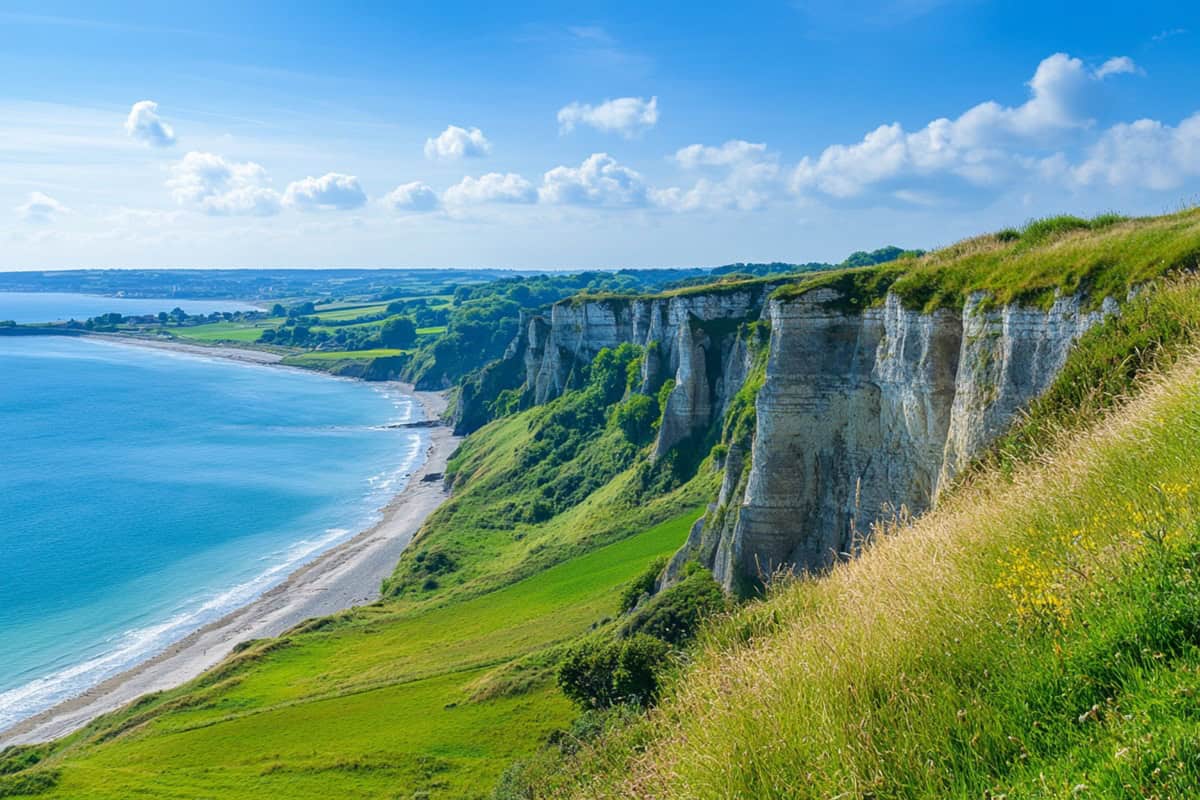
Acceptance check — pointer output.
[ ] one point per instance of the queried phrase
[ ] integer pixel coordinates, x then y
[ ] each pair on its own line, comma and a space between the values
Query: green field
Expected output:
350, 312
225, 331
344, 355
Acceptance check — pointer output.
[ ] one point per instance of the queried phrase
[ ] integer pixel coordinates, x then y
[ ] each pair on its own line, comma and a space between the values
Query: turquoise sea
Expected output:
145, 493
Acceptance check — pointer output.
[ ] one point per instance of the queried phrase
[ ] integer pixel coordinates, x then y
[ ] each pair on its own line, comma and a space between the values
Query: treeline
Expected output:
114, 321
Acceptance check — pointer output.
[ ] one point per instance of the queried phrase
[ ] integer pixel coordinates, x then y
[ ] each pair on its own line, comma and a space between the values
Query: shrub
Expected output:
636, 417
642, 585
600, 674
674, 615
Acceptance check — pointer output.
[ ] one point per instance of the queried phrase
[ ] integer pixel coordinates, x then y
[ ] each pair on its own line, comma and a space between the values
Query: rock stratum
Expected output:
859, 413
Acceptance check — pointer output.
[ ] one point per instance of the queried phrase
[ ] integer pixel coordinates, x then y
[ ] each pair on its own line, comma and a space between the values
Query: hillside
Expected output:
729, 431
1036, 636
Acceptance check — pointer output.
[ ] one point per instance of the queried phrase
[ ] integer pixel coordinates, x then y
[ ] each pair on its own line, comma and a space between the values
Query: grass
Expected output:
350, 312
1102, 257
1037, 636
225, 331
434, 691
343, 355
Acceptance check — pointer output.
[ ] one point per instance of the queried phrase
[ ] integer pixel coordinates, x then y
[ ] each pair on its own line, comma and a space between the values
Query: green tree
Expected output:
398, 332
598, 674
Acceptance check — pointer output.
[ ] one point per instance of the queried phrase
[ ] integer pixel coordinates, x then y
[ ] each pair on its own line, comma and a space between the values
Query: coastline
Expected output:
347, 575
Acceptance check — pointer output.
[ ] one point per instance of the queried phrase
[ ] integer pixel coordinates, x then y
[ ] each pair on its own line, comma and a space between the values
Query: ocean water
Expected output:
145, 493
61, 306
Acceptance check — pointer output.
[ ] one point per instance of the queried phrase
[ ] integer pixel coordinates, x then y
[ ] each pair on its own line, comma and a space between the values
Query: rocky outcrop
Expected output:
864, 413
690, 338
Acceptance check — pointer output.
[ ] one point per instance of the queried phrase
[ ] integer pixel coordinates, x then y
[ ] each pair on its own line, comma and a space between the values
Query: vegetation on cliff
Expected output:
1103, 257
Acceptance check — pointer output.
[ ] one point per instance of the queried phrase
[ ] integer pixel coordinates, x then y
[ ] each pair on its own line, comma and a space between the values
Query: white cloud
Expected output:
740, 175
414, 196
221, 187
735, 151
980, 147
330, 192
493, 187
598, 181
627, 116
1120, 65
144, 125
41, 209
1143, 154
455, 143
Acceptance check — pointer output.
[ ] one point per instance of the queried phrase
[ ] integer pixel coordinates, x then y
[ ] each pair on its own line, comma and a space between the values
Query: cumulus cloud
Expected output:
627, 116
330, 192
598, 181
41, 209
493, 187
1144, 154
414, 196
144, 125
736, 175
216, 186
455, 143
981, 147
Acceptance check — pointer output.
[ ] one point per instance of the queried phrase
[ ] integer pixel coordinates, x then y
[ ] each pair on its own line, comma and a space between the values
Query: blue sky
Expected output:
555, 135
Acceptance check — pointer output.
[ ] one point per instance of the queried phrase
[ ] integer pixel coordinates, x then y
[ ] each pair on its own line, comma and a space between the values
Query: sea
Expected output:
145, 493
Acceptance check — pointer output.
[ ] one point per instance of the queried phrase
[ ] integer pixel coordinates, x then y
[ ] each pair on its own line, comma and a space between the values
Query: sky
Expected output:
568, 135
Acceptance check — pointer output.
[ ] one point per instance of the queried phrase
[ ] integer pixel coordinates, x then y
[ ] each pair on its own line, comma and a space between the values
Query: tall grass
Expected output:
1035, 637
1102, 257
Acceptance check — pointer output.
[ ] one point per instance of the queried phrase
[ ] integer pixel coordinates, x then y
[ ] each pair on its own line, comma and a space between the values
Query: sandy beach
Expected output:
345, 576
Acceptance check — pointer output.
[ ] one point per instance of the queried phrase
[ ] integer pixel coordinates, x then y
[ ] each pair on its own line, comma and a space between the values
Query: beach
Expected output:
347, 575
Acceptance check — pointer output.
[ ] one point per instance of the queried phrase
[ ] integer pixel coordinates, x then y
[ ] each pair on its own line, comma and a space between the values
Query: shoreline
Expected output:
342, 577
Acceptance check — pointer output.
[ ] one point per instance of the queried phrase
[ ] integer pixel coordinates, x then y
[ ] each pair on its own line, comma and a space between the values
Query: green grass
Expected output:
225, 331
342, 355
1103, 257
341, 312
434, 691
1037, 636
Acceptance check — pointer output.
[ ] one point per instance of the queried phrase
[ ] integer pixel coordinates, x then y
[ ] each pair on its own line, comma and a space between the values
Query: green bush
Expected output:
642, 585
601, 674
636, 417
674, 615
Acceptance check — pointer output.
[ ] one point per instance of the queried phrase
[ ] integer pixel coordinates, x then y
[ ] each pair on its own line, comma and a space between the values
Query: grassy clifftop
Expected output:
1102, 257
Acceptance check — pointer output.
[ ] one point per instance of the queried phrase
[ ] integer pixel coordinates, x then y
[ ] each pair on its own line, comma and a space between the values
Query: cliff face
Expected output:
689, 338
860, 414
863, 413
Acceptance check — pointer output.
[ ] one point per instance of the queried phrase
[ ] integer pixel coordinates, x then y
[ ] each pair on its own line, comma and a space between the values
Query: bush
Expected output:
600, 674
636, 417
642, 585
675, 614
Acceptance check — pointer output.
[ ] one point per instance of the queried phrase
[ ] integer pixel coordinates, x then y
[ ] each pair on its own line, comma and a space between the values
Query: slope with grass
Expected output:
1036, 636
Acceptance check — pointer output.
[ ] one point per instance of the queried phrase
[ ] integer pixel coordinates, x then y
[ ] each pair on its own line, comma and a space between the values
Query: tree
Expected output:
597, 674
398, 332
278, 310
